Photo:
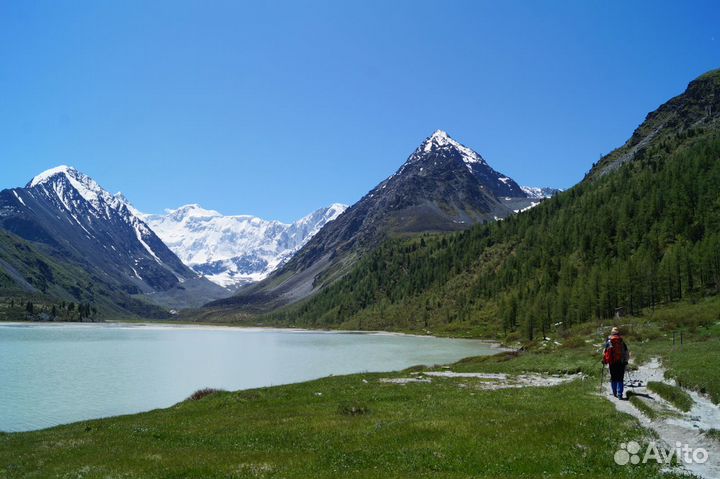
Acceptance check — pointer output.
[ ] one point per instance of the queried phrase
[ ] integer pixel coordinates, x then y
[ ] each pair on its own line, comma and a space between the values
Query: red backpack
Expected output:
614, 353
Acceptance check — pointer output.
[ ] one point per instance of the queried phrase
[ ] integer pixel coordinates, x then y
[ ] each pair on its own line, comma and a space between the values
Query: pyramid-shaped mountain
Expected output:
443, 186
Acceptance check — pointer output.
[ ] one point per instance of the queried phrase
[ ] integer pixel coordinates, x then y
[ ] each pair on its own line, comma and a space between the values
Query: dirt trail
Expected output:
489, 381
677, 426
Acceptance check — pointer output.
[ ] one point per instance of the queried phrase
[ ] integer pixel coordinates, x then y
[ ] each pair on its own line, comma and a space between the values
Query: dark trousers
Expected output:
617, 378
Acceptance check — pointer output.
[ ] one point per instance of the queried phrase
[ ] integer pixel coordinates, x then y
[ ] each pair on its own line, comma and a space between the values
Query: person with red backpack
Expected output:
616, 356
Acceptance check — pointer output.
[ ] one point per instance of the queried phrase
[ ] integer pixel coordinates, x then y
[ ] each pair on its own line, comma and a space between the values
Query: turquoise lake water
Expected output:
59, 373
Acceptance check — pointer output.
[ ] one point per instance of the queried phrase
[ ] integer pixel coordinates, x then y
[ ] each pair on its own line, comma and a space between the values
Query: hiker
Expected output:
616, 356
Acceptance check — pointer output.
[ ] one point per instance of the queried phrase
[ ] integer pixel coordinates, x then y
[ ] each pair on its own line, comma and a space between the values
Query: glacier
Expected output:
234, 250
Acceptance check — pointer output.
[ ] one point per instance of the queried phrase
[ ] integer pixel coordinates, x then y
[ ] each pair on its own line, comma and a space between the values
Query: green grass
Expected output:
713, 434
345, 427
672, 394
448, 428
642, 406
693, 367
561, 361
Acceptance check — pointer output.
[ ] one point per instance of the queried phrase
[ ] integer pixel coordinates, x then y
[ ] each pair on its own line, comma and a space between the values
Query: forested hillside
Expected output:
645, 233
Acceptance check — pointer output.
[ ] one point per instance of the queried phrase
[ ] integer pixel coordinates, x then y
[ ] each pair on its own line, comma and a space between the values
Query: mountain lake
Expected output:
56, 373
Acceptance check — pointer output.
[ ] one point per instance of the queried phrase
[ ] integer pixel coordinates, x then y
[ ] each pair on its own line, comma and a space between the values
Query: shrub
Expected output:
353, 410
574, 342
201, 393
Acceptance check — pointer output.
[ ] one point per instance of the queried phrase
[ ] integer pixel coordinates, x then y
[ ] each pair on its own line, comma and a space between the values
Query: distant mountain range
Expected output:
235, 250
535, 192
443, 186
71, 218
66, 237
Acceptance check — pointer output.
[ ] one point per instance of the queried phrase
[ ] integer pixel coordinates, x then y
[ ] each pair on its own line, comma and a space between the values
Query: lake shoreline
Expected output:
161, 364
235, 326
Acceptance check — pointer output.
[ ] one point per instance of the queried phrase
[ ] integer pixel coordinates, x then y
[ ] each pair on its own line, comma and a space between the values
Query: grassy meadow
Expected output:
361, 427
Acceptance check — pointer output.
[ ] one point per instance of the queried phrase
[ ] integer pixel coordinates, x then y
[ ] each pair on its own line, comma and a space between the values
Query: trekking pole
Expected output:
628, 380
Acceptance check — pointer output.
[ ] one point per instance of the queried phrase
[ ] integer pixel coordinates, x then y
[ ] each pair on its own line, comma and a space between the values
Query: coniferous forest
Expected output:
645, 235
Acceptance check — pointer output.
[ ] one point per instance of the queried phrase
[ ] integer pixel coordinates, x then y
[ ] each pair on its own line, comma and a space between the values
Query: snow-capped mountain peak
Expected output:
72, 212
440, 140
439, 136
441, 151
232, 250
192, 210
85, 186
50, 173
330, 213
540, 192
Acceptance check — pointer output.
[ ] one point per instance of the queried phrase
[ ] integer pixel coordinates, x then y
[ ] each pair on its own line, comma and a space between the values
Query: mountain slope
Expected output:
29, 272
640, 234
75, 220
697, 108
235, 250
443, 186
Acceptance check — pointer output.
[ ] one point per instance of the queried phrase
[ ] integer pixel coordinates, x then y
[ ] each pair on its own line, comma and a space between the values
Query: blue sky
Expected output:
277, 108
